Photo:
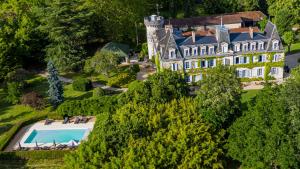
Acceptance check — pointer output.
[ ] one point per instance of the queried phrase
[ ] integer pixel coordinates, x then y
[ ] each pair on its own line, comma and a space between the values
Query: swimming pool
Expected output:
59, 136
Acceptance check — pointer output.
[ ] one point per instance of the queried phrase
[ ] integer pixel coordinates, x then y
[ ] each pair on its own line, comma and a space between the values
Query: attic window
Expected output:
224, 48
203, 50
195, 51
237, 47
261, 46
186, 52
253, 46
211, 50
172, 54
275, 45
245, 47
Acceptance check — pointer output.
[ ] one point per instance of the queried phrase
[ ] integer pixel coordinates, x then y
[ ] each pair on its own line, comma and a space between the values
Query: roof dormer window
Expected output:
186, 52
261, 46
203, 50
245, 47
253, 46
237, 47
172, 54
195, 51
275, 45
224, 47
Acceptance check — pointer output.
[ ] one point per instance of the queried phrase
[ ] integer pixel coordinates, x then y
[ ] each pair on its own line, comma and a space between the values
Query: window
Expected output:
261, 46
174, 67
203, 64
211, 63
259, 72
245, 47
195, 64
237, 60
188, 79
211, 50
237, 47
275, 45
203, 50
187, 65
253, 46
195, 51
224, 48
244, 73
261, 58
276, 58
226, 61
274, 71
172, 54
186, 52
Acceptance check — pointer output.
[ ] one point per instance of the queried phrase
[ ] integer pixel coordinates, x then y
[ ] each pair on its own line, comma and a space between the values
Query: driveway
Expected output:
292, 60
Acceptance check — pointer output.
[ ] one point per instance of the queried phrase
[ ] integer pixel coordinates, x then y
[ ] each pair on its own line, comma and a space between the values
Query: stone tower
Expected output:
153, 23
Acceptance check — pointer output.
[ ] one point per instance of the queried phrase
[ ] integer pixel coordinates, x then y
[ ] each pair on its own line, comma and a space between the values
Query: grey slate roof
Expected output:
238, 37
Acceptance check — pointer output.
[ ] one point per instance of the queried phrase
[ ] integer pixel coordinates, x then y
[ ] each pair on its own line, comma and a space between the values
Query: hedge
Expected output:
91, 106
11, 133
121, 79
82, 84
33, 155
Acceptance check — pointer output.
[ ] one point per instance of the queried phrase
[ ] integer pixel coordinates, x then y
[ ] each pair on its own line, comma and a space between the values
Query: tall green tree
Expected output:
289, 38
56, 91
219, 96
67, 24
267, 136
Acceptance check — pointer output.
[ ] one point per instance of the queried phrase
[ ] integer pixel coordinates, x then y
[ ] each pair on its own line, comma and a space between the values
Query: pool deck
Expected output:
24, 132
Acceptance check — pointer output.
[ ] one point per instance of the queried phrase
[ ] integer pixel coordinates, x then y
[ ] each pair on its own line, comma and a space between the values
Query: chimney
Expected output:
193, 36
251, 32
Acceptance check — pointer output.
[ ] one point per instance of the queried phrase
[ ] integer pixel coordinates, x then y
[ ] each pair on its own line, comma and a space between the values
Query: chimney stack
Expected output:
193, 36
251, 32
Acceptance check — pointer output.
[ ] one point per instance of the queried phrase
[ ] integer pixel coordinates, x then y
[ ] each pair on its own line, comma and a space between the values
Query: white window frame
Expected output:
224, 48
185, 64
253, 44
186, 52
260, 46
213, 50
273, 45
174, 66
276, 57
263, 58
225, 61
247, 47
259, 72
237, 47
203, 48
170, 54
274, 71
195, 49
196, 64
205, 64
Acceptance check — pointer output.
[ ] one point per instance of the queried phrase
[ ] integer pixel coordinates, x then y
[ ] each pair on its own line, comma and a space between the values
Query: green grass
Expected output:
294, 48
247, 95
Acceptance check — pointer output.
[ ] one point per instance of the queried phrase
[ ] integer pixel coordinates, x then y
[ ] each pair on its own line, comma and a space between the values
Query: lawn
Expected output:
247, 95
295, 47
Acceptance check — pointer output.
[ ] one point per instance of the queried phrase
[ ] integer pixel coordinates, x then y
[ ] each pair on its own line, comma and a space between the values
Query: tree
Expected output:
13, 92
267, 136
102, 62
55, 91
170, 135
289, 38
219, 96
67, 24
262, 24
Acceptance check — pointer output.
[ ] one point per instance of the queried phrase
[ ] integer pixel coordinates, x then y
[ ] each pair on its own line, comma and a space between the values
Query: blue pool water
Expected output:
60, 136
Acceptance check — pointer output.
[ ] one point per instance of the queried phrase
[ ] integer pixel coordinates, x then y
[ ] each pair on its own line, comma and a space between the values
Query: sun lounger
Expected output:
66, 120
84, 120
77, 120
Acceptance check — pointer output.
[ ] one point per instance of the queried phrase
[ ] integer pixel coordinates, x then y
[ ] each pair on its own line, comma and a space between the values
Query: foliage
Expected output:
55, 91
135, 68
272, 123
92, 106
121, 79
102, 62
34, 100
289, 38
171, 135
262, 24
98, 92
67, 24
82, 84
144, 51
219, 96
14, 91
41, 154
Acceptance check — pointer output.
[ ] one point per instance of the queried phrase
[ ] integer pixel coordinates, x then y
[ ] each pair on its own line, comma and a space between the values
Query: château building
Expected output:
256, 54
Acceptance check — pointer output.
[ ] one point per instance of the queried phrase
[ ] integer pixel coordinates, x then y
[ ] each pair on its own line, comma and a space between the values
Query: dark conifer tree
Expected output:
55, 91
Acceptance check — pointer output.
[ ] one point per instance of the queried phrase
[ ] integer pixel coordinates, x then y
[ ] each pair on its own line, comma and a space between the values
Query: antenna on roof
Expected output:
157, 9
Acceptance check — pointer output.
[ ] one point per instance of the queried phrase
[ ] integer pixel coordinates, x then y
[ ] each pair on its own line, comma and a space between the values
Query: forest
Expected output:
33, 32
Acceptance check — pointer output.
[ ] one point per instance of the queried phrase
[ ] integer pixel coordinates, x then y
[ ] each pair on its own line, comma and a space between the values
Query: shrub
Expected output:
13, 92
121, 79
32, 155
98, 92
82, 84
18, 75
135, 68
33, 99
87, 107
